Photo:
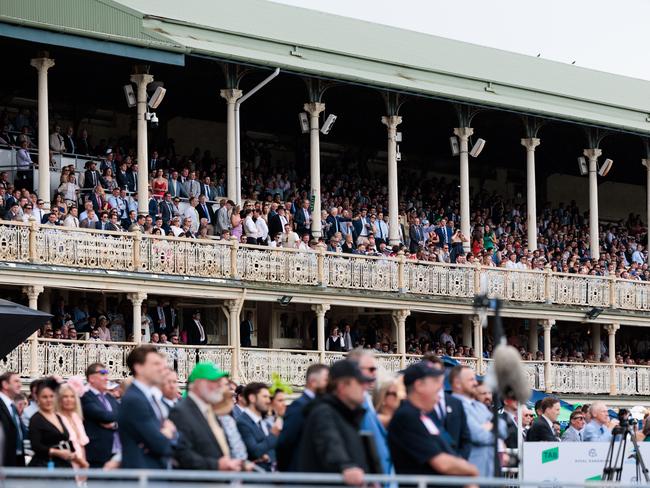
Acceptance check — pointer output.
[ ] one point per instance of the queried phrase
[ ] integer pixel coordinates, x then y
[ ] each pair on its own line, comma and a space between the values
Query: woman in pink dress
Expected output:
235, 221
69, 408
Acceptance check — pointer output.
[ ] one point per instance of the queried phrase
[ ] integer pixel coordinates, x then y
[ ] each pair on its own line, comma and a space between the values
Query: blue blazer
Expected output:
100, 449
289, 438
257, 443
153, 208
143, 446
455, 425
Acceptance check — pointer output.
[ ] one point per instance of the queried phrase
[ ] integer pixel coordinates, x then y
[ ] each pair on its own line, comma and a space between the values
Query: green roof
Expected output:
320, 44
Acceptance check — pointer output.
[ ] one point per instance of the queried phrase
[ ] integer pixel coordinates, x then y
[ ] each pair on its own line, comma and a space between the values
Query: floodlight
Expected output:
455, 148
131, 101
157, 97
582, 166
329, 122
478, 147
304, 122
605, 167
284, 300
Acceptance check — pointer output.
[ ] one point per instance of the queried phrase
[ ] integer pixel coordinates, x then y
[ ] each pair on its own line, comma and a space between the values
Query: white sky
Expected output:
608, 35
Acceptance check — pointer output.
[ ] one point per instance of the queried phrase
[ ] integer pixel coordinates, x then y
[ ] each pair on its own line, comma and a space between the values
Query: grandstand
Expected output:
575, 295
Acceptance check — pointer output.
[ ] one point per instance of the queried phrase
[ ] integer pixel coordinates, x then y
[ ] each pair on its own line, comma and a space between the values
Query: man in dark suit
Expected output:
334, 222
416, 233
277, 222
164, 318
302, 218
202, 442
100, 418
122, 176
12, 427
168, 209
542, 428
91, 176
146, 435
260, 439
245, 330
196, 334
205, 211
508, 415
132, 178
289, 439
153, 206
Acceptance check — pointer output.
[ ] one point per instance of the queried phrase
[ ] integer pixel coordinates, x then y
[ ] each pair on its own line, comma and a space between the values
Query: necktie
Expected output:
218, 432
580, 436
19, 429
381, 233
441, 412
207, 215
157, 410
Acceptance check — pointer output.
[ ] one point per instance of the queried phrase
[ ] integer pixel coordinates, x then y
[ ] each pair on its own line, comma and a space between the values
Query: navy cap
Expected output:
348, 369
419, 370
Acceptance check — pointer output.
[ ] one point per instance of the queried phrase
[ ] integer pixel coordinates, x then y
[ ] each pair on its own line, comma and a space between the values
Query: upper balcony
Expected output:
32, 243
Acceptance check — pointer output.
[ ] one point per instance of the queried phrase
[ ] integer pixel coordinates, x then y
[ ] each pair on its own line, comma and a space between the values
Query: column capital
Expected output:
531, 143
142, 78
646, 162
612, 328
136, 298
33, 291
314, 108
233, 305
42, 63
547, 324
231, 94
463, 132
320, 308
593, 153
401, 314
391, 121
476, 320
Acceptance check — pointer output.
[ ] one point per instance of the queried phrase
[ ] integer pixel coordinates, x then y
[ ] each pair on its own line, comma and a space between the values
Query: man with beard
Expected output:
260, 439
203, 442
287, 448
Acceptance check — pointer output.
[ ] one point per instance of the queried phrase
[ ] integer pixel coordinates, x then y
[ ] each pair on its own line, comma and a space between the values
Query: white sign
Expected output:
575, 461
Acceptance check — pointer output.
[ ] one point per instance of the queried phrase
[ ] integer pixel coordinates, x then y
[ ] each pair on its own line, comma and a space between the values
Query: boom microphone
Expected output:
511, 380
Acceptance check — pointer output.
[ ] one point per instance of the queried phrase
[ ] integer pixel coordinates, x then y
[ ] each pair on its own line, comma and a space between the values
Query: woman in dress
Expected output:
108, 180
159, 185
59, 203
49, 437
69, 408
236, 222
457, 241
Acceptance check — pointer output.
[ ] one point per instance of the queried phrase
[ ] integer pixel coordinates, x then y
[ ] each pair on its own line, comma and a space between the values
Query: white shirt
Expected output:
251, 228
71, 221
262, 228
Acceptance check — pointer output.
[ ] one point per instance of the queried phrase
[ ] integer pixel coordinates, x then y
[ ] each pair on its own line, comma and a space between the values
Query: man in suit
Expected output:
289, 439
277, 221
450, 415
196, 334
574, 431
153, 206
302, 218
167, 208
102, 224
154, 163
147, 436
12, 427
260, 439
205, 211
98, 199
202, 442
222, 217
175, 186
192, 186
246, 329
91, 176
68, 140
334, 222
100, 419
598, 429
542, 428
164, 318
416, 233
208, 190
132, 178
122, 176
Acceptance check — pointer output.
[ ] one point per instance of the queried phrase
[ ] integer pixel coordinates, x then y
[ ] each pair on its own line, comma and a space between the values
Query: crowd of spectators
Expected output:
351, 418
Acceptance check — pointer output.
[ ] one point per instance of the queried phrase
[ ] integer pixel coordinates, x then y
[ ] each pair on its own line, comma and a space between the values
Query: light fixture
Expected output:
455, 148
582, 166
130, 96
284, 300
304, 122
327, 125
605, 167
477, 148
594, 313
157, 97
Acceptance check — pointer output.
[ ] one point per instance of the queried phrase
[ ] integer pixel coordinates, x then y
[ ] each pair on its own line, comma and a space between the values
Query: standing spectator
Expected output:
69, 408
287, 447
203, 443
246, 330
479, 419
335, 341
68, 140
100, 419
57, 143
575, 430
12, 427
260, 440
48, 435
169, 390
509, 415
223, 218
145, 434
302, 219
599, 429
196, 334
387, 396
416, 443
542, 428
331, 442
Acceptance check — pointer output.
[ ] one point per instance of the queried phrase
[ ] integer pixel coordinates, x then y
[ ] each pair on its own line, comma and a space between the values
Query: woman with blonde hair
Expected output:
68, 406
387, 396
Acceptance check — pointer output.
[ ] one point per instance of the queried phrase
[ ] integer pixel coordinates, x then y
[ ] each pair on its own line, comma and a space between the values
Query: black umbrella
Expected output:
18, 323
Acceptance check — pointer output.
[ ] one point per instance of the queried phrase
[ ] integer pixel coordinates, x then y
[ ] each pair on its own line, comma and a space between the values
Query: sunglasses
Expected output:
578, 418
101, 371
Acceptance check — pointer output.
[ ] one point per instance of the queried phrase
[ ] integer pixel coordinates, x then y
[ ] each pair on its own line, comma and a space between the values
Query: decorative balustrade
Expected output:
67, 358
119, 251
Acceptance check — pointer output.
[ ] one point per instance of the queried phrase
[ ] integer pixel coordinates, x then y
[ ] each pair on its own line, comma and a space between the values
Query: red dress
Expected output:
159, 188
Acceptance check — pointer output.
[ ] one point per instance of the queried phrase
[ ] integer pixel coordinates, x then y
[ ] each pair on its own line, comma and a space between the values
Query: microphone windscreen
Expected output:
510, 376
